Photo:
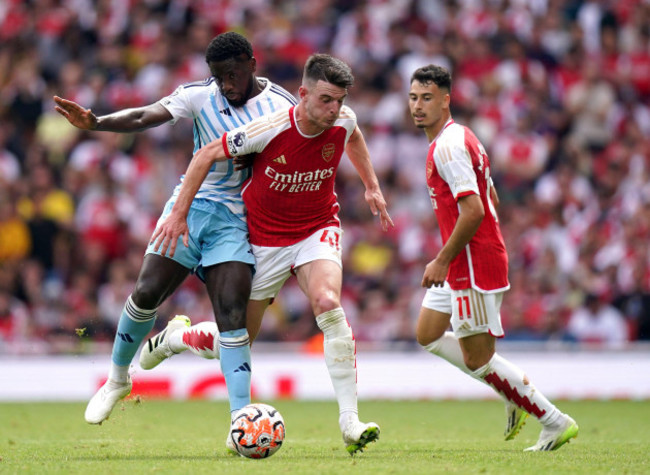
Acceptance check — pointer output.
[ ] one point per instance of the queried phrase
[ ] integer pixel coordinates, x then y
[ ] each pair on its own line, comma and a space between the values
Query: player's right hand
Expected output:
168, 232
78, 116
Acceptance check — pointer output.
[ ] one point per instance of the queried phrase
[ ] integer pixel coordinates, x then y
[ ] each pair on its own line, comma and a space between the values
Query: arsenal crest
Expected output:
328, 151
429, 168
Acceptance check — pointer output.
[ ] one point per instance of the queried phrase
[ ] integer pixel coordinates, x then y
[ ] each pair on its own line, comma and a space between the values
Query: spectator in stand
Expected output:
590, 102
15, 242
9, 164
521, 155
597, 321
54, 202
14, 321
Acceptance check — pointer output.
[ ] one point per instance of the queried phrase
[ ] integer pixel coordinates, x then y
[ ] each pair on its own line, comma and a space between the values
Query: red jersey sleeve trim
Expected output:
464, 193
291, 117
225, 146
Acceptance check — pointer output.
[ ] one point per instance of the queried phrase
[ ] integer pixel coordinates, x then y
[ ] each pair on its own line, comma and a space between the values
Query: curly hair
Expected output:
433, 74
329, 69
226, 46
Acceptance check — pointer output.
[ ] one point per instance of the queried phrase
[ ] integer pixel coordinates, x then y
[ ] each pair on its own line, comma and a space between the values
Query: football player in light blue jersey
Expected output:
218, 252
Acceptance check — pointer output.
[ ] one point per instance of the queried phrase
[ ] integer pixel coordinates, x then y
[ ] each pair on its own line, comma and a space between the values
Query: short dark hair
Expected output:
438, 75
226, 46
328, 68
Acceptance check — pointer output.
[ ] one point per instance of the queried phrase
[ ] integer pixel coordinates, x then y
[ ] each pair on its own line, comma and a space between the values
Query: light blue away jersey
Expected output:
213, 116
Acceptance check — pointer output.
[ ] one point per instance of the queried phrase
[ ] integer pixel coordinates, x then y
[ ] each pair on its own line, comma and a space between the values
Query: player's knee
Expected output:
425, 334
423, 339
325, 301
474, 361
145, 295
231, 315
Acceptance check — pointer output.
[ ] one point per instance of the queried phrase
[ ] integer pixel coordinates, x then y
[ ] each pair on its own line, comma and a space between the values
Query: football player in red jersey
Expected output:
293, 214
468, 278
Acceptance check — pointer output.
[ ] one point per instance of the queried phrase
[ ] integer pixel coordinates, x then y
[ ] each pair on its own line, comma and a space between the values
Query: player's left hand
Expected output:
244, 161
435, 274
377, 204
168, 232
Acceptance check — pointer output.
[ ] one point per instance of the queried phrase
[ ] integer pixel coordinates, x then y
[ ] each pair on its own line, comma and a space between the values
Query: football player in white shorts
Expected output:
469, 275
293, 214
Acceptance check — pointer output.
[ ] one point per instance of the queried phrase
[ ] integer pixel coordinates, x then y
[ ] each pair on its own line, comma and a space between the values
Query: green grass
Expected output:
416, 438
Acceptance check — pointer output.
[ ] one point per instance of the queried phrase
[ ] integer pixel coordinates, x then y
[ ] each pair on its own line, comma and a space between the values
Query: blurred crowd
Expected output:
558, 91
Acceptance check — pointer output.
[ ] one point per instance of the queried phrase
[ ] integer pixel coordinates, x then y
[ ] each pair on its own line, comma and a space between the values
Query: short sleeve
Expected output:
178, 104
249, 138
454, 165
348, 119
257, 134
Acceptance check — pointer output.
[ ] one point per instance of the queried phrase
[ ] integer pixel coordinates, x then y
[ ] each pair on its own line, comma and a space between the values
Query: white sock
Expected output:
340, 358
447, 347
119, 374
346, 417
512, 384
201, 339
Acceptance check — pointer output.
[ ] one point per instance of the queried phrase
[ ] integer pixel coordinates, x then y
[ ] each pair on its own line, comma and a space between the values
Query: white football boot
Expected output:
357, 435
156, 349
230, 445
102, 403
555, 436
516, 420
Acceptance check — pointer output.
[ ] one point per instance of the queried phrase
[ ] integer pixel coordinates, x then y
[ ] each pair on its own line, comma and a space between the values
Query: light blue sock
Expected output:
235, 351
134, 325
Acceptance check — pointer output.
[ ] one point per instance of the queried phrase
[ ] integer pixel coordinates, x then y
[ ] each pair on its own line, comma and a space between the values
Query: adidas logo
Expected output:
281, 160
226, 112
244, 367
125, 337
154, 342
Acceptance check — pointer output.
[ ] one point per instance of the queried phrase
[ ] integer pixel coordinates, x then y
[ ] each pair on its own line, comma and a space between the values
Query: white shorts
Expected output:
472, 312
274, 265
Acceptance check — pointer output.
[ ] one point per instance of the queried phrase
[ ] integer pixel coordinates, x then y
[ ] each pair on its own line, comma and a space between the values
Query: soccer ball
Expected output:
257, 431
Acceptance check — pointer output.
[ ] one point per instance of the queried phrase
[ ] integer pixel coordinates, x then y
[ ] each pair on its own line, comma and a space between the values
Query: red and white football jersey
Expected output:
290, 194
457, 166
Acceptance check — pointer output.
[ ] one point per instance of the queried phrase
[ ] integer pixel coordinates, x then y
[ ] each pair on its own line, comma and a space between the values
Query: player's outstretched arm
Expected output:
127, 120
360, 157
174, 226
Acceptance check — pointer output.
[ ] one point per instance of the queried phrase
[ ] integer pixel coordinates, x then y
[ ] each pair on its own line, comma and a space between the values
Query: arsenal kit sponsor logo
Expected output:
297, 181
328, 151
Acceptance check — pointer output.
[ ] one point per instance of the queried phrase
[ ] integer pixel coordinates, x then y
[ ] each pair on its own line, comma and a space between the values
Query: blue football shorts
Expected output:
216, 236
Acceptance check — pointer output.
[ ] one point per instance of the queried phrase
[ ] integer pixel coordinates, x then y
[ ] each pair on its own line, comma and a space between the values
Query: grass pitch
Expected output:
187, 437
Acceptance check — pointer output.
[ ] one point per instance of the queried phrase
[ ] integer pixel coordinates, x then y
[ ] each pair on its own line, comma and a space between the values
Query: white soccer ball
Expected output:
257, 431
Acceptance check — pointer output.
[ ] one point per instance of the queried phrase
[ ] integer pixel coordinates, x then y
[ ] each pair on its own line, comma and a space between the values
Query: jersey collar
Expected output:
447, 124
